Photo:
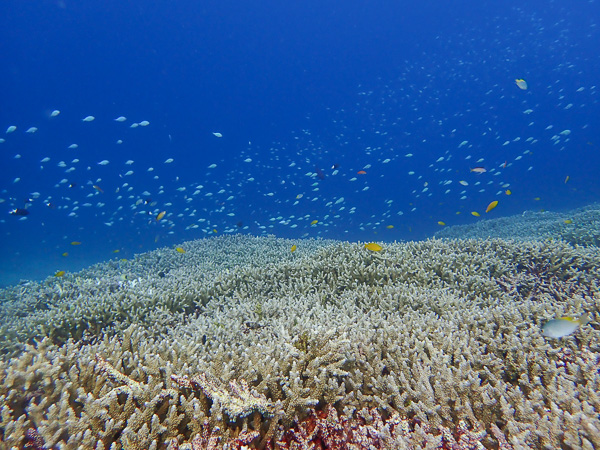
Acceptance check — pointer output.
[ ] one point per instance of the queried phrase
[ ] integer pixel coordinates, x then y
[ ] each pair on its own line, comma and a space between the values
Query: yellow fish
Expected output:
116, 251
293, 249
389, 227
373, 247
60, 273
65, 254
441, 223
475, 213
160, 215
491, 206
567, 179
314, 222
75, 243
179, 249
568, 221
521, 83
508, 192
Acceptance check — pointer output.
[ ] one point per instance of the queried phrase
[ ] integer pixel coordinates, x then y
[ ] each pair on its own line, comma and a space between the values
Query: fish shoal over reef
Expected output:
361, 169
317, 240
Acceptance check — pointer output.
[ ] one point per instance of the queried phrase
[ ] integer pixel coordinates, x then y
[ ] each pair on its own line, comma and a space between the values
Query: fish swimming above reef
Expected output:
558, 328
521, 83
491, 206
320, 174
19, 212
373, 246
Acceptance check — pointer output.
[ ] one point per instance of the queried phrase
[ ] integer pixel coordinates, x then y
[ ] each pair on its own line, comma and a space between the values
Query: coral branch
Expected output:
239, 401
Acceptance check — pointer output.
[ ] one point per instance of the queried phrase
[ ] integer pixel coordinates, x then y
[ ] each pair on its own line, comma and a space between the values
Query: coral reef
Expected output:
239, 401
147, 290
577, 227
369, 430
433, 344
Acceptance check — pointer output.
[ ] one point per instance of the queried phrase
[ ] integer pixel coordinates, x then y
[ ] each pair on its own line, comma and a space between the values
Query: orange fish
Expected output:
478, 170
361, 172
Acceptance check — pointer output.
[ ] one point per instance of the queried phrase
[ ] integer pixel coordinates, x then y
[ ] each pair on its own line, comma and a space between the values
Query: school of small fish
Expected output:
406, 164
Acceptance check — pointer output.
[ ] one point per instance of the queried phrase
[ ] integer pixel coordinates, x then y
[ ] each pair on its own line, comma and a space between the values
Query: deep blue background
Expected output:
312, 83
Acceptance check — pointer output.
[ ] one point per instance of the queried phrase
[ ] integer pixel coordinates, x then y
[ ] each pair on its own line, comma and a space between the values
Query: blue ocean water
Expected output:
271, 112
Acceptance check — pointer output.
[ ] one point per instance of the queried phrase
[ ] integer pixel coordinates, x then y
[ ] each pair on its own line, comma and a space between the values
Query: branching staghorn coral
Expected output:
153, 289
128, 386
445, 334
237, 402
579, 227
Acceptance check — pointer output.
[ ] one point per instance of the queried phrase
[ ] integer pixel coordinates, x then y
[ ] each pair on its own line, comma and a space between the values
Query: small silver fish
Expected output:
558, 328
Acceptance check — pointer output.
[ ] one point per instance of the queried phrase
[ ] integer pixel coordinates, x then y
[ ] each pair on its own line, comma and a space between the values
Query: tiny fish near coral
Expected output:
558, 328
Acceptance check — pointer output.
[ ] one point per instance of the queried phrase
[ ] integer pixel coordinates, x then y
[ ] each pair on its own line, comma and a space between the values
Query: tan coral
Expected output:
437, 331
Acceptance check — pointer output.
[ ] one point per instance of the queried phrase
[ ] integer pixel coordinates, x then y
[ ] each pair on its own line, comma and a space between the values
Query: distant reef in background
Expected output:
238, 341
577, 227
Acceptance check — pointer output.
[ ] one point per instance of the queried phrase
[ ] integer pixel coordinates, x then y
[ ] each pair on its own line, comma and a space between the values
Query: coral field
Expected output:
240, 343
